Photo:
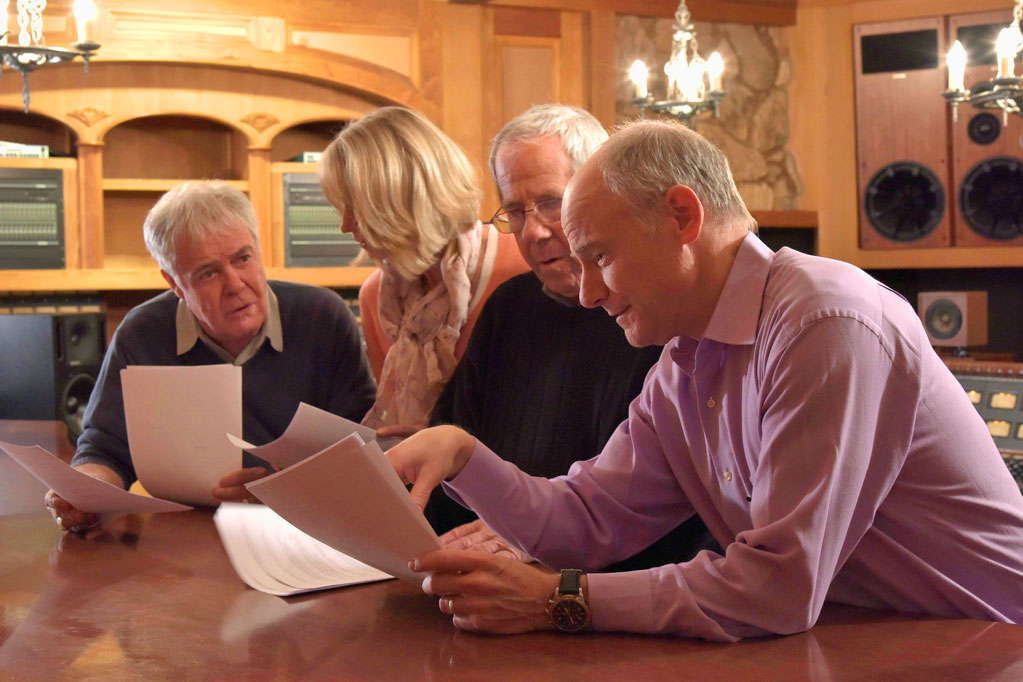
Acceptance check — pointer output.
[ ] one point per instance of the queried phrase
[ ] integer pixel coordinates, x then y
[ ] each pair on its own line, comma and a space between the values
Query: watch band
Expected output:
571, 580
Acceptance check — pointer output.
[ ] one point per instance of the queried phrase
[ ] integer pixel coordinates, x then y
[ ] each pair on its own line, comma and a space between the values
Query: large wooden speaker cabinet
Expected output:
987, 150
902, 135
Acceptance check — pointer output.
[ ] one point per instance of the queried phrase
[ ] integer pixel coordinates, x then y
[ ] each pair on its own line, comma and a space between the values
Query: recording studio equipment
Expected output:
312, 233
956, 319
902, 133
996, 390
49, 364
987, 150
31, 218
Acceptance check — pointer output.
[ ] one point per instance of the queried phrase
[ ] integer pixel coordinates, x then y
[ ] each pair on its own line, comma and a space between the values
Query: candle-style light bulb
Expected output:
85, 11
638, 74
956, 61
1008, 44
715, 67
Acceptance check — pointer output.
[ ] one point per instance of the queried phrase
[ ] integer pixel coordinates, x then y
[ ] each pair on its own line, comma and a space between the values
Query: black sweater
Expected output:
544, 385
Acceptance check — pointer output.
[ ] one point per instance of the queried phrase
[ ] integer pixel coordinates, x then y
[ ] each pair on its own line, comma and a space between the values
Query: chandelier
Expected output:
31, 51
1005, 90
694, 84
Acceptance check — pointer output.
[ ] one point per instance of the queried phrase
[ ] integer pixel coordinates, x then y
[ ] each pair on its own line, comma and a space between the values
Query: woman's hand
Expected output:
399, 430
429, 457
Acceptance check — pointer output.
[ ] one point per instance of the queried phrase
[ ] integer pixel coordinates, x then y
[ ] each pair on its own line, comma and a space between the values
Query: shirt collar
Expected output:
737, 313
189, 332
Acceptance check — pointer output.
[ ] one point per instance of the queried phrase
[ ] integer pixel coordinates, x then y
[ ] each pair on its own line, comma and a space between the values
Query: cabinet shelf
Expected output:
157, 184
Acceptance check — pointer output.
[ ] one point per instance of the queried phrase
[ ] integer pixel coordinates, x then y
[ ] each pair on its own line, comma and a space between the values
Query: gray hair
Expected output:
195, 211
579, 132
644, 159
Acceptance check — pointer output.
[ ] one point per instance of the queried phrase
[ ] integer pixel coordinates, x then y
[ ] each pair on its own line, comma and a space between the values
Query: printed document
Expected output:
310, 430
81, 490
348, 497
272, 556
176, 419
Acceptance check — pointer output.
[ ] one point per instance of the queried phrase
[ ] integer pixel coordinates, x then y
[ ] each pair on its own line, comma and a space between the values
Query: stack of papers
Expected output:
346, 495
335, 493
272, 556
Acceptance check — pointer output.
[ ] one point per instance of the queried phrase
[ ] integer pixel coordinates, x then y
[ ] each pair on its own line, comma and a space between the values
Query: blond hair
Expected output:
195, 211
411, 188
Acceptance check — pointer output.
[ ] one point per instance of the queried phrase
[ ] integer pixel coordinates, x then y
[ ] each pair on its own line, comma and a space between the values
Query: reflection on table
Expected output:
155, 598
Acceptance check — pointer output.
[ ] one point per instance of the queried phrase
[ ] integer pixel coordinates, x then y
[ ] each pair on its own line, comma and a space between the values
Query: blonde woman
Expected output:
409, 196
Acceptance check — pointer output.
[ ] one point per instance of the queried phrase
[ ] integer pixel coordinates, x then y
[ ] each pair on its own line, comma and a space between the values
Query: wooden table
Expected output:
154, 597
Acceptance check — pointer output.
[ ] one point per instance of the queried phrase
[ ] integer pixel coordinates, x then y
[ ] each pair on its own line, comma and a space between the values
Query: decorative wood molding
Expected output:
768, 12
260, 121
88, 115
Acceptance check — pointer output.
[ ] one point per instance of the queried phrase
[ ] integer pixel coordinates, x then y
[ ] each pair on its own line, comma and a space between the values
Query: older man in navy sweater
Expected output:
294, 343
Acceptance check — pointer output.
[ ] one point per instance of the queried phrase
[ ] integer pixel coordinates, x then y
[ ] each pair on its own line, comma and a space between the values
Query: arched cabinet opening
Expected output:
145, 157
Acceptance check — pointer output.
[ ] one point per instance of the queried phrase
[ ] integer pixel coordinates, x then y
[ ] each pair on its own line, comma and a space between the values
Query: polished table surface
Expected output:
154, 597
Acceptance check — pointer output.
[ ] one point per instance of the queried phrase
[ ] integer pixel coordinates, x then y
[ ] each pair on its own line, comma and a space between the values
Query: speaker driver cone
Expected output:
991, 198
904, 201
943, 319
73, 403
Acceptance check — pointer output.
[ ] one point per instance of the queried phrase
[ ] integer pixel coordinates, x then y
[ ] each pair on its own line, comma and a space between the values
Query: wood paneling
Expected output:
769, 12
516, 21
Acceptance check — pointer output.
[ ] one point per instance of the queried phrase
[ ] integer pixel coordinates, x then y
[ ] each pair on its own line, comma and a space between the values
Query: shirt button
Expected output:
711, 403
728, 475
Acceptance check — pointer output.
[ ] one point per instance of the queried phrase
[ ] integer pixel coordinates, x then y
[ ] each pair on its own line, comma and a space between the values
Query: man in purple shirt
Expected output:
797, 408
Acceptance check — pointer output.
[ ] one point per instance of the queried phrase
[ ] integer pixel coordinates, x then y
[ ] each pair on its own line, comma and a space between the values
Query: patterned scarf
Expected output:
424, 326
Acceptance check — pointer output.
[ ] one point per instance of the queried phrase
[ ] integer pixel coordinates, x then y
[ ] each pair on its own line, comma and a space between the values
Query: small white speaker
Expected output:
954, 318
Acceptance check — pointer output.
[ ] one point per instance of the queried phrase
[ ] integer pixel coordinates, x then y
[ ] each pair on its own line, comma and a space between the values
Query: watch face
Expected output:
569, 615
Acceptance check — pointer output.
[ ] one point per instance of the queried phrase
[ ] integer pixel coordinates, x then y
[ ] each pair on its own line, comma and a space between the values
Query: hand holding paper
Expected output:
81, 490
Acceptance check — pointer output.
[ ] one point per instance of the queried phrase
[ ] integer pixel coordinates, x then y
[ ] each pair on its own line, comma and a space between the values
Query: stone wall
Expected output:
753, 127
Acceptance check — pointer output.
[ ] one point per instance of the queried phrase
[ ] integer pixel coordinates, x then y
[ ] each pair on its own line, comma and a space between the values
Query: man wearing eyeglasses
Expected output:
545, 381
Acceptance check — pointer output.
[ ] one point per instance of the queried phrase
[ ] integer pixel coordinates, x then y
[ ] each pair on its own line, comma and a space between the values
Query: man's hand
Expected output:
76, 520
477, 536
429, 457
231, 488
488, 593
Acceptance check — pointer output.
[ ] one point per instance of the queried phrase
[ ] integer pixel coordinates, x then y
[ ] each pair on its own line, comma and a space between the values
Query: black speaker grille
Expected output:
943, 319
991, 198
984, 128
904, 201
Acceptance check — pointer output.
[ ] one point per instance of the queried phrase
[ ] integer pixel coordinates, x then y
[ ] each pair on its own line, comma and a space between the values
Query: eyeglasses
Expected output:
547, 212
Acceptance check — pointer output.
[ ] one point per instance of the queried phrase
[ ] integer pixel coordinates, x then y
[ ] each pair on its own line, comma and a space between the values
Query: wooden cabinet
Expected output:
133, 133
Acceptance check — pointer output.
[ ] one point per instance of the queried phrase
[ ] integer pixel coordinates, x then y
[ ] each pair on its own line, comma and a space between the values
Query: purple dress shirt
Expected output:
824, 443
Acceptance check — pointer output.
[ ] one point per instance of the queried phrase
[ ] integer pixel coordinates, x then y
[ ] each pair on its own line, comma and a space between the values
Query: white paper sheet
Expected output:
310, 431
350, 498
176, 419
81, 490
271, 555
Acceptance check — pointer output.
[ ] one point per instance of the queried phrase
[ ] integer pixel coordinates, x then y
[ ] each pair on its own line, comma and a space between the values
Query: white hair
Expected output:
195, 211
578, 131
644, 159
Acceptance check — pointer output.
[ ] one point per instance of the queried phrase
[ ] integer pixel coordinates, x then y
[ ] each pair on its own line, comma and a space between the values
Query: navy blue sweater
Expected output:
322, 364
